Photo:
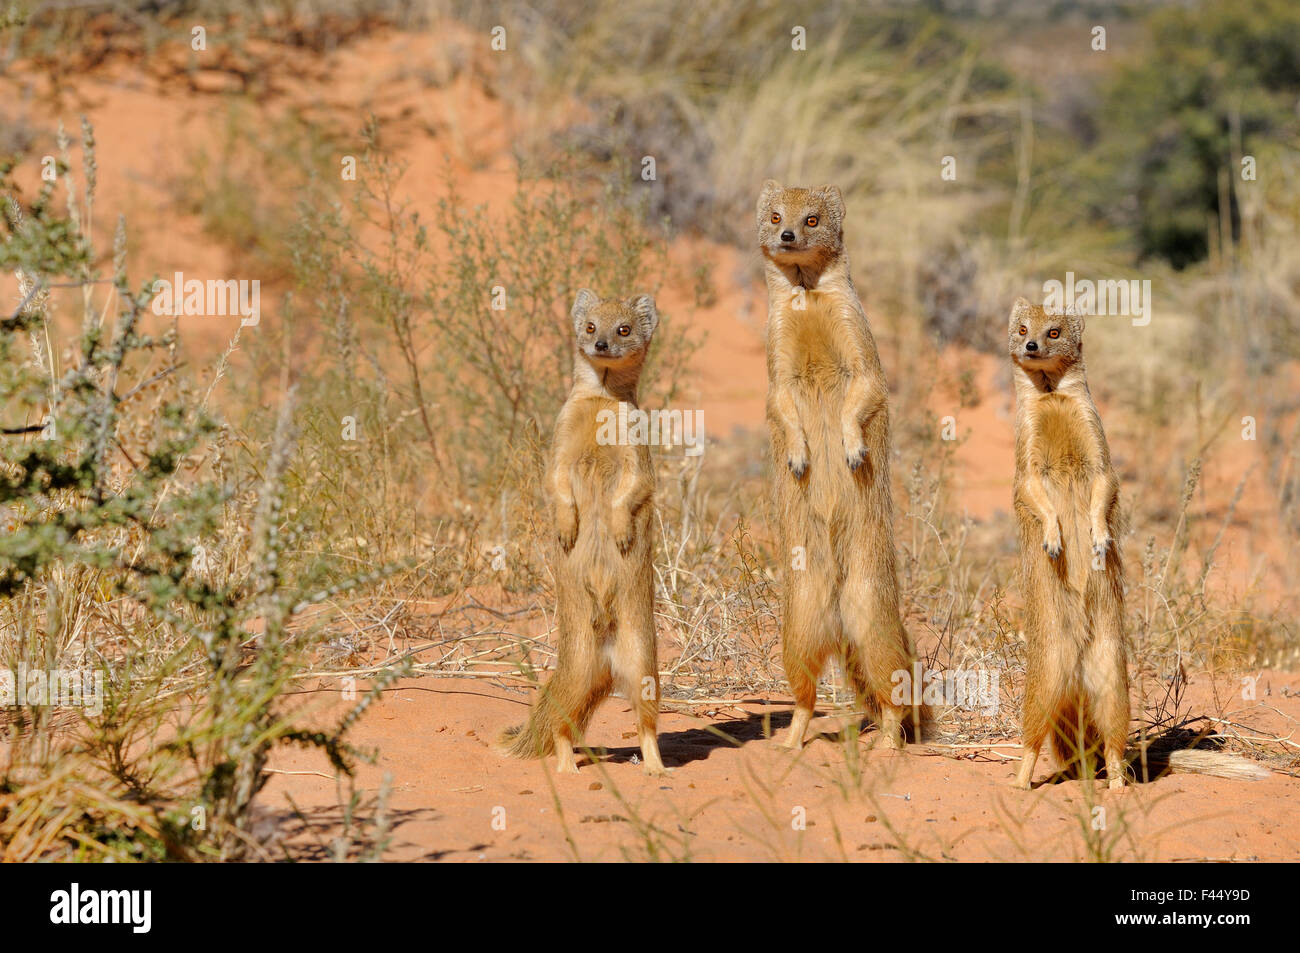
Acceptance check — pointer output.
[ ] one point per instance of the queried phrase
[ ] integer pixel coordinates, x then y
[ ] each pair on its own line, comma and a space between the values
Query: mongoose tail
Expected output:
536, 737
525, 741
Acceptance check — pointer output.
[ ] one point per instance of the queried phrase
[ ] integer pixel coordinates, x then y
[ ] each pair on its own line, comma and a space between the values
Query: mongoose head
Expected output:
800, 227
614, 333
1041, 340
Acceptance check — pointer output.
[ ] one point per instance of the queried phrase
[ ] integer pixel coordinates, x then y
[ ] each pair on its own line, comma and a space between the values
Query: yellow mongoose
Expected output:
827, 410
1067, 511
603, 497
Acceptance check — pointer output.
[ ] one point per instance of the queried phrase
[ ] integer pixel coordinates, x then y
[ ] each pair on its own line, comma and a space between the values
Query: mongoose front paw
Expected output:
1052, 542
798, 465
623, 532
1100, 543
855, 457
566, 528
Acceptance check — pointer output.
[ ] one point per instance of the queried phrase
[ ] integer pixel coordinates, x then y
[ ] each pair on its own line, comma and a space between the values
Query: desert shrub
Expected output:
1217, 82
133, 552
447, 351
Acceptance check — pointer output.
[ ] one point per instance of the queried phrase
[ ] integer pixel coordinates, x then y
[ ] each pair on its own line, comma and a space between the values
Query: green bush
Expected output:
132, 550
1220, 81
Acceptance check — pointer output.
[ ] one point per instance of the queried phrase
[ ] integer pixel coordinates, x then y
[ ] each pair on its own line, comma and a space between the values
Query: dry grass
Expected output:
420, 546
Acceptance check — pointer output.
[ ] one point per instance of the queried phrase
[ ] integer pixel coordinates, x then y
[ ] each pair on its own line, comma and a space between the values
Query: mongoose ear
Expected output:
770, 188
1021, 305
582, 304
834, 197
644, 306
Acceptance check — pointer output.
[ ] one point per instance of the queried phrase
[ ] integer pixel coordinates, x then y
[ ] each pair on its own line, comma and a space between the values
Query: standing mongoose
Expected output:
1068, 517
603, 494
827, 411
1067, 511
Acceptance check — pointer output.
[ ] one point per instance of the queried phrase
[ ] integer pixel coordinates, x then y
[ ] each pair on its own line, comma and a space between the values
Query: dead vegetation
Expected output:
415, 543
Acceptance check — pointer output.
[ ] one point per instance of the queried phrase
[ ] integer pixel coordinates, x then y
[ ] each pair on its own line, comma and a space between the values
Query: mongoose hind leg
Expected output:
804, 688
891, 728
1034, 728
1115, 766
808, 631
1106, 676
1111, 717
1025, 776
636, 669
654, 764
877, 650
575, 690
567, 763
646, 704
802, 672
887, 716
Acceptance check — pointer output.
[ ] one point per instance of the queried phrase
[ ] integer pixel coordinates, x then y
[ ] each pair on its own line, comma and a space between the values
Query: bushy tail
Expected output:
1073, 736
872, 670
536, 737
565, 701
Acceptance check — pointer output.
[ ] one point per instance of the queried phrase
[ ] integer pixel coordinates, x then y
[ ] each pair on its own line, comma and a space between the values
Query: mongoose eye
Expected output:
624, 330
591, 328
1054, 333
776, 218
1023, 330
812, 221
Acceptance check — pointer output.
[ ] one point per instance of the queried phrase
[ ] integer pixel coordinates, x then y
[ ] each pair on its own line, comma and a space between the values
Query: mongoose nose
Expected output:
602, 345
1029, 345
787, 236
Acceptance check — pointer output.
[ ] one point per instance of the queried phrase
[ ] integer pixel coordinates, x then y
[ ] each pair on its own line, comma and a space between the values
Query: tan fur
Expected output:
828, 415
1067, 511
603, 499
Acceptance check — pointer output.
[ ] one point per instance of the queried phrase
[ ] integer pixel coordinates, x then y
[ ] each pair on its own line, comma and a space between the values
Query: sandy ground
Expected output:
732, 793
